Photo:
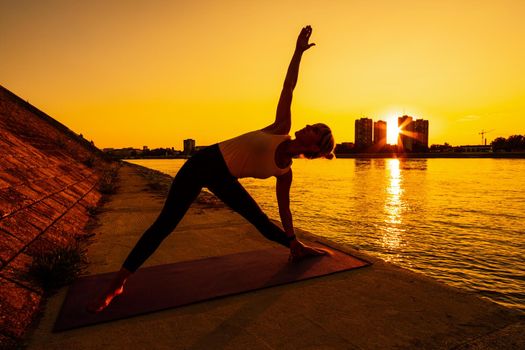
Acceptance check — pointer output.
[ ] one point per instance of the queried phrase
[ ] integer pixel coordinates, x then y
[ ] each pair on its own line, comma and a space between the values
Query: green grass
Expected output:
108, 181
92, 210
89, 162
58, 267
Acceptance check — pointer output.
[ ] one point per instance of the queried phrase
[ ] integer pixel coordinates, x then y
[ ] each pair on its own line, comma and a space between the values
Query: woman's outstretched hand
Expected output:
302, 40
299, 251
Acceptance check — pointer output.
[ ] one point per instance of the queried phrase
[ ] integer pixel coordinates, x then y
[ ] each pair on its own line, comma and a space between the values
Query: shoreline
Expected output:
497, 155
470, 155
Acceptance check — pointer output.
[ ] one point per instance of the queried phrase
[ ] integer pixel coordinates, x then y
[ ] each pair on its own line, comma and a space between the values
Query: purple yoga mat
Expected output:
163, 287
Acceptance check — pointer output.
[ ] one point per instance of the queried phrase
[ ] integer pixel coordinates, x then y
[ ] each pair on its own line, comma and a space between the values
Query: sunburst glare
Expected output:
392, 131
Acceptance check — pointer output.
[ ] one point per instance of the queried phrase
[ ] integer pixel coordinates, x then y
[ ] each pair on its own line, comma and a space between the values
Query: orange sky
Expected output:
134, 73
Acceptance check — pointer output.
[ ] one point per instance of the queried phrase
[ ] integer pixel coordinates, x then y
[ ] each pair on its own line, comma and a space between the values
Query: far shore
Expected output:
434, 155
518, 155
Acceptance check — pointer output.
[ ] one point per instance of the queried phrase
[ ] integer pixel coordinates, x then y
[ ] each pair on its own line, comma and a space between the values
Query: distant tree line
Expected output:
513, 143
159, 152
441, 148
130, 152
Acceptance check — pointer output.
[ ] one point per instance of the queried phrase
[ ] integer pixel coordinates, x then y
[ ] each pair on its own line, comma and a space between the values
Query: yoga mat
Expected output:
163, 287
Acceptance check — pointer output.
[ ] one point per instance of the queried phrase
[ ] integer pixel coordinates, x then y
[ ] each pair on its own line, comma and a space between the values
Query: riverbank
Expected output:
379, 307
497, 155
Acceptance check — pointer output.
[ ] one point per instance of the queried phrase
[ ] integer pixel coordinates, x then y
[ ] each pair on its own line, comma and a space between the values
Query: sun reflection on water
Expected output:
393, 231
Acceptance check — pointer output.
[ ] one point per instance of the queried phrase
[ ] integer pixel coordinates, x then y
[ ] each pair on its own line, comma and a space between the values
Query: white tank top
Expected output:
253, 154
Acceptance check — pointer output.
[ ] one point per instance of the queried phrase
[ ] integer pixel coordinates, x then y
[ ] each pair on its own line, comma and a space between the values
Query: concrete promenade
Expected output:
377, 307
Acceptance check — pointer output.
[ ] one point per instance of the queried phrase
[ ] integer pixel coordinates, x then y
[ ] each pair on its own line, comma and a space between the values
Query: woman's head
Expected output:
318, 139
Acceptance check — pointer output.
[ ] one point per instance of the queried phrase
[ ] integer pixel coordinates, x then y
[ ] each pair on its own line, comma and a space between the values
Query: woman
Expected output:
260, 154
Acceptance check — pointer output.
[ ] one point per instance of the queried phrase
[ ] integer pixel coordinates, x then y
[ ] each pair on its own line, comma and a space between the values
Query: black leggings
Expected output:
205, 169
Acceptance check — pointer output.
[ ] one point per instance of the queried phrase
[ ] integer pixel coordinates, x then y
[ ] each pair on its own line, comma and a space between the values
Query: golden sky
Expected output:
134, 73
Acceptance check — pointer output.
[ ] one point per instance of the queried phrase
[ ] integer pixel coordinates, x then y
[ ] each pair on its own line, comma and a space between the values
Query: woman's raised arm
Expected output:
283, 117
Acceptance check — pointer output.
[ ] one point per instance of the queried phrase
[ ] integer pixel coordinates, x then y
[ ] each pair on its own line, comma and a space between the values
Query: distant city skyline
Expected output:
408, 134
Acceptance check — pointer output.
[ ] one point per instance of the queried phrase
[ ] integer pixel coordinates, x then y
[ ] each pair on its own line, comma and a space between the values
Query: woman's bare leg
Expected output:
183, 191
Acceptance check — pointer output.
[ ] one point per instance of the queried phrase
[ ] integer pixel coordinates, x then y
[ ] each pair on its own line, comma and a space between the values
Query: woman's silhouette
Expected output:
260, 154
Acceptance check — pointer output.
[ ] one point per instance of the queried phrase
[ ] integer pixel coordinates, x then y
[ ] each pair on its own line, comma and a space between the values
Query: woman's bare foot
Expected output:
115, 289
104, 300
299, 251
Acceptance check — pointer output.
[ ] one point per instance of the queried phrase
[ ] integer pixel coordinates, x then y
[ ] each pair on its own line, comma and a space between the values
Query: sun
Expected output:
392, 131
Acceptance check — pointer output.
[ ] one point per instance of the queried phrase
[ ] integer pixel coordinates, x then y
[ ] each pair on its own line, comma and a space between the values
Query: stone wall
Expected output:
48, 183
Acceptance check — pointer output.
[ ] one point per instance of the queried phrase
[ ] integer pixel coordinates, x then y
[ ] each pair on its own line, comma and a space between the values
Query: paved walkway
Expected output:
378, 307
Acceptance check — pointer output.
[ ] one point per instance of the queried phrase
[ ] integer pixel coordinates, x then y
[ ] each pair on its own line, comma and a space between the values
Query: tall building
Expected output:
189, 146
421, 135
413, 134
405, 139
363, 133
380, 134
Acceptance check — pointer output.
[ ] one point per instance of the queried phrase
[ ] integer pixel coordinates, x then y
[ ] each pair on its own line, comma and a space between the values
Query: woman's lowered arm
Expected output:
298, 250
282, 188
